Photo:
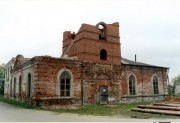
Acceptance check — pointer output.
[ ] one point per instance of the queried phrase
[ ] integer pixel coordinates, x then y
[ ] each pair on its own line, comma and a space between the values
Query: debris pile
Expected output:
170, 106
171, 99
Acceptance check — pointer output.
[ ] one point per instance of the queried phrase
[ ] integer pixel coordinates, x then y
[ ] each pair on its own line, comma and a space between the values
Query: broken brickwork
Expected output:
95, 73
87, 46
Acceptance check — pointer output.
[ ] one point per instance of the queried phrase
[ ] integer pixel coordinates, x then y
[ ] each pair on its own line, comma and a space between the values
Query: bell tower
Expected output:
99, 43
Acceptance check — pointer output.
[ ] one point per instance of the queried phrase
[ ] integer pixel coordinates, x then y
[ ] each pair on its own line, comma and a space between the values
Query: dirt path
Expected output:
9, 113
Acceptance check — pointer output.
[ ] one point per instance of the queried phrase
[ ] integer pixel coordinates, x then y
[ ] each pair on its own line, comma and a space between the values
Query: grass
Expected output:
123, 110
20, 104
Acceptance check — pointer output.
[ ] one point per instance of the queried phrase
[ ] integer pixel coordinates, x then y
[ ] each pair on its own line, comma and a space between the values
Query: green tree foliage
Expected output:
2, 77
170, 90
176, 79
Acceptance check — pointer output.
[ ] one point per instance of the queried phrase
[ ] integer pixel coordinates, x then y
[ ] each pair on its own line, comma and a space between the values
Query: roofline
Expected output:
145, 66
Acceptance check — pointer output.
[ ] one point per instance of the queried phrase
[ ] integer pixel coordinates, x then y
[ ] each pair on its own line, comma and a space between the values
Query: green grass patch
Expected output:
18, 103
88, 110
123, 110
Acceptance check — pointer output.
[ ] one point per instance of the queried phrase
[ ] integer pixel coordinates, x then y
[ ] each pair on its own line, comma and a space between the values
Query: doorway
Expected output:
103, 95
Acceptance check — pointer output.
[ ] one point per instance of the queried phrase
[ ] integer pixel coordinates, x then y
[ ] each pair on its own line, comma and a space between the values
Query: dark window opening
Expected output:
73, 35
132, 88
102, 35
20, 82
155, 85
29, 86
103, 54
14, 94
65, 84
8, 74
11, 88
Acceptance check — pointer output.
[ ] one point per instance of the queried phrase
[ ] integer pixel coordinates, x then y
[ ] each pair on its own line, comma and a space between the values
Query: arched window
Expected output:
29, 86
155, 85
132, 88
11, 88
8, 74
103, 54
14, 94
20, 85
65, 84
102, 29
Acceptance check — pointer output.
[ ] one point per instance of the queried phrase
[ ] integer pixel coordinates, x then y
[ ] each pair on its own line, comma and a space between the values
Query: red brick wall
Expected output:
96, 75
87, 46
48, 69
85, 74
28, 67
87, 78
144, 84
89, 72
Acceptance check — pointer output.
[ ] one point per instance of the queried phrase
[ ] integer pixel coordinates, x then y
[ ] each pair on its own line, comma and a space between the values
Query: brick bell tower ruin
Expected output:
89, 71
100, 43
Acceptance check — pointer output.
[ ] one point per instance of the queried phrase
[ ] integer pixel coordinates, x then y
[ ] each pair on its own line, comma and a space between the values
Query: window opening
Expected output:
65, 79
11, 88
132, 89
73, 35
102, 35
29, 86
103, 54
14, 87
20, 84
155, 85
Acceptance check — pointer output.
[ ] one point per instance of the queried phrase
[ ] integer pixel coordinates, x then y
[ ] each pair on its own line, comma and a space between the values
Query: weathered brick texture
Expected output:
81, 58
86, 44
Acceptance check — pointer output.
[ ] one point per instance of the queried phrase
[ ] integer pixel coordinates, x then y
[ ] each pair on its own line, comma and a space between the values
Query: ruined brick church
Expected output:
89, 71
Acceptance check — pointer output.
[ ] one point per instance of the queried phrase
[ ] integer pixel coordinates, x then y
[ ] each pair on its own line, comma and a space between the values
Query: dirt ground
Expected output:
172, 99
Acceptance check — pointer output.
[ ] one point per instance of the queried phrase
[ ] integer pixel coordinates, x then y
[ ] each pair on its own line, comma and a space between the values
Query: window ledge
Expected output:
58, 98
131, 96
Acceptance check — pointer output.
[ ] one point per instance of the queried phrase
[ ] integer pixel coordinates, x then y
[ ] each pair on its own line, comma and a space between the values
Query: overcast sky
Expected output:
148, 28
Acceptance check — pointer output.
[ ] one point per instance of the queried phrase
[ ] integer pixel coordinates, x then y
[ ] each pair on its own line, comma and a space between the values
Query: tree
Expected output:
175, 80
2, 78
